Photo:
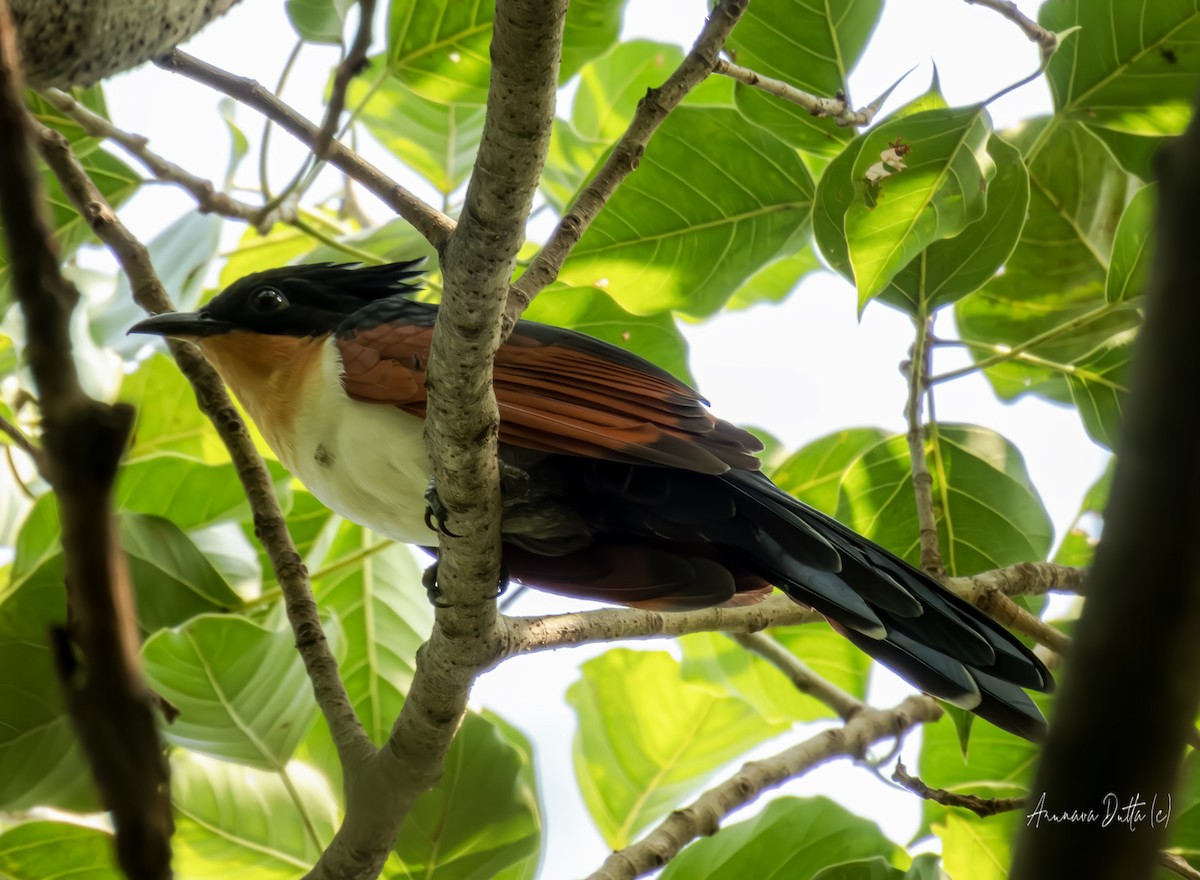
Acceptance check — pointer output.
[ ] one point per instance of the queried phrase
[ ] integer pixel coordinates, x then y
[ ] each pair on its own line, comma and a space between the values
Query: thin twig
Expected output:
624, 158
351, 741
208, 198
837, 108
352, 65
21, 441
704, 815
982, 807
918, 386
1045, 39
83, 439
427, 220
1178, 865
806, 681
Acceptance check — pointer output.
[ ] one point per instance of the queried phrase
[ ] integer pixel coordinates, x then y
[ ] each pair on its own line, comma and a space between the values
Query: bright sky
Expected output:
800, 370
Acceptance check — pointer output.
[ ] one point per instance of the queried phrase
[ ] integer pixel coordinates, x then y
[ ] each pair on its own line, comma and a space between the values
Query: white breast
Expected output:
364, 461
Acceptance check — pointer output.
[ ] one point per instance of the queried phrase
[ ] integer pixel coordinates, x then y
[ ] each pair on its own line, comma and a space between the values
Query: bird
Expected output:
618, 483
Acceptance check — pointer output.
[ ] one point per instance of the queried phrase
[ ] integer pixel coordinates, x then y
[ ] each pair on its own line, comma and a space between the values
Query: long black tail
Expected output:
892, 611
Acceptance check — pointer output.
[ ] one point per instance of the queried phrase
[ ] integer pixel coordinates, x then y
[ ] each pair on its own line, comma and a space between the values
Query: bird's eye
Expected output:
267, 299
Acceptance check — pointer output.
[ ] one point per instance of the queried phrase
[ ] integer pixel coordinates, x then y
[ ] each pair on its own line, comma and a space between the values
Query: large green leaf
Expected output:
717, 659
640, 751
669, 239
51, 850
1184, 830
591, 311
189, 492
436, 139
951, 268
774, 282
814, 472
793, 838
1079, 543
1053, 285
1132, 248
241, 690
941, 188
1134, 153
482, 817
811, 46
1099, 386
168, 419
1132, 66
234, 821
988, 513
980, 849
373, 586
440, 49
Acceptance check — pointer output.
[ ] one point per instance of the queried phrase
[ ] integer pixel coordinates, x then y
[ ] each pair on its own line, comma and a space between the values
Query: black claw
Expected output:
435, 511
432, 590
502, 581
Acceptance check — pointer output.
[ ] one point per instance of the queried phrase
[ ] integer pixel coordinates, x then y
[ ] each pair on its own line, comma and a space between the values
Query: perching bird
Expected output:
618, 484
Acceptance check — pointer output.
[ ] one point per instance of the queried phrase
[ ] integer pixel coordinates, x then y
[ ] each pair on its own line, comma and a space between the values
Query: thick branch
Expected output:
461, 428
269, 524
624, 158
703, 816
83, 439
1022, 579
1139, 634
427, 220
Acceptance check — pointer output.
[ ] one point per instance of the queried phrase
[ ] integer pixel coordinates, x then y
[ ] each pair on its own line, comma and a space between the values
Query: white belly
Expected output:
364, 461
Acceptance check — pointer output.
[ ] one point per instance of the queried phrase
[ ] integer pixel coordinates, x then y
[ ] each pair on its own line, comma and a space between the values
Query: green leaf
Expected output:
1052, 289
239, 146
1184, 830
810, 46
591, 311
235, 821
671, 241
716, 659
483, 816
42, 850
793, 838
91, 98
373, 586
814, 472
1134, 153
190, 493
168, 419
281, 246
319, 21
1079, 544
941, 189
440, 48
951, 268
1131, 67
394, 240
1099, 386
876, 868
438, 140
988, 512
774, 282
980, 849
1132, 248
172, 580
639, 752
241, 690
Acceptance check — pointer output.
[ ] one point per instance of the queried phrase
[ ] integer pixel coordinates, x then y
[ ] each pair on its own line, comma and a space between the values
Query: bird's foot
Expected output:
436, 512
437, 599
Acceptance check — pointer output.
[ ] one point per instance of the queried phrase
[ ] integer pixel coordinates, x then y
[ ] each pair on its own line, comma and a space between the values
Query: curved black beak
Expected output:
183, 325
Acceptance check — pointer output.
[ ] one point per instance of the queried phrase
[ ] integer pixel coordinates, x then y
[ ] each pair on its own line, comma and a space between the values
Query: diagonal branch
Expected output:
804, 679
704, 815
1046, 40
351, 741
83, 440
352, 65
427, 220
838, 109
624, 158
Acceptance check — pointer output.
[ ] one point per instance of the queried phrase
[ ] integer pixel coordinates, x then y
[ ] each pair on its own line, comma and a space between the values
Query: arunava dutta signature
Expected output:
1131, 814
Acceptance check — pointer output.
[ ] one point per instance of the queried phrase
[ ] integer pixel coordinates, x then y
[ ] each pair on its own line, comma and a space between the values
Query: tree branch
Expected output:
17, 436
1046, 40
1139, 634
703, 816
427, 220
349, 738
461, 428
1022, 579
918, 386
624, 158
352, 65
83, 440
805, 680
837, 109
208, 198
982, 807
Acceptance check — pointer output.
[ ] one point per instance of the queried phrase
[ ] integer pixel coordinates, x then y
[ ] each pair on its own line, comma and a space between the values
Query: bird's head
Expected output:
295, 301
